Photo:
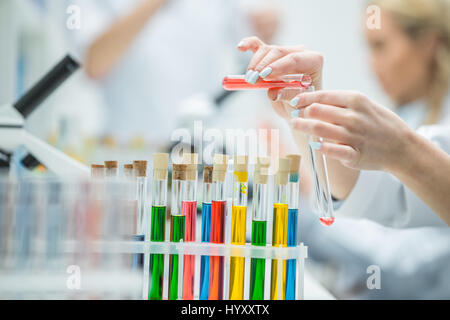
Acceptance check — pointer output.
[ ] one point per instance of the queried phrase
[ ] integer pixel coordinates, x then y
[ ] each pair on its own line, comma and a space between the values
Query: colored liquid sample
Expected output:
216, 263
258, 266
237, 264
327, 221
233, 83
291, 264
206, 238
176, 235
279, 235
157, 234
189, 210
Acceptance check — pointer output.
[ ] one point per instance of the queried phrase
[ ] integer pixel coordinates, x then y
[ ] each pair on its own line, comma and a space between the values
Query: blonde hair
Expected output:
418, 17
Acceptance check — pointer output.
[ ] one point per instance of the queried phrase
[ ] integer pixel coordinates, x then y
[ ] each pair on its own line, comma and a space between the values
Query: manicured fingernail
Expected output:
294, 102
247, 75
315, 145
241, 44
295, 113
278, 96
254, 77
265, 72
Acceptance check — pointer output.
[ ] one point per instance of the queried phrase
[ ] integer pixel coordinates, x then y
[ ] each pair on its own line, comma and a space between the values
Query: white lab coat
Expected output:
182, 51
381, 197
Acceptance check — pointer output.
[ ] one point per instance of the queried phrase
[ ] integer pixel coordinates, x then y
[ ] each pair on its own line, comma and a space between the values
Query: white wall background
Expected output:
332, 27
335, 28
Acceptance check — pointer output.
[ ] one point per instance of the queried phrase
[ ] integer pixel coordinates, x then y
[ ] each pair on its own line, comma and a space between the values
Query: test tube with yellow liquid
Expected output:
280, 229
238, 225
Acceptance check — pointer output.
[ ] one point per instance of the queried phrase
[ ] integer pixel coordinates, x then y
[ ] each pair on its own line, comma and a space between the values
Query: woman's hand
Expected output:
270, 62
358, 132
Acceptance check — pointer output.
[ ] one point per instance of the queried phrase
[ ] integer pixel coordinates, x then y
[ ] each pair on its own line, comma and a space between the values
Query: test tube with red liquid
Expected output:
189, 211
218, 212
294, 81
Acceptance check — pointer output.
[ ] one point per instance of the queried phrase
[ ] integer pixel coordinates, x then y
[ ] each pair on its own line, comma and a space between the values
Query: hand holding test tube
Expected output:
272, 63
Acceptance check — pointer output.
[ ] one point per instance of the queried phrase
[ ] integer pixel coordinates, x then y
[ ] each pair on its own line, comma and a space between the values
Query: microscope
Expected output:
14, 135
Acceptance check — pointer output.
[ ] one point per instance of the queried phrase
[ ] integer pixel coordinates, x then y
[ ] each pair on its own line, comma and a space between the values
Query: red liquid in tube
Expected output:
234, 83
216, 263
327, 221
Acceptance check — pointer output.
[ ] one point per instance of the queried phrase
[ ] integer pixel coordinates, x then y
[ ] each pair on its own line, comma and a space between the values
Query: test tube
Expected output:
97, 171
189, 210
259, 228
177, 223
206, 230
158, 221
237, 82
280, 228
293, 212
238, 225
111, 169
128, 172
140, 171
218, 212
323, 202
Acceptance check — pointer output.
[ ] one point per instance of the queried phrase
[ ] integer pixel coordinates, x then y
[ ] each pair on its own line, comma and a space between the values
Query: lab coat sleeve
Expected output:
381, 197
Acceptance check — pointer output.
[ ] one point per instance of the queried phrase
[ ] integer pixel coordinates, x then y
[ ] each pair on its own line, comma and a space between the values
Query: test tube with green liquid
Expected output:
158, 220
259, 227
177, 225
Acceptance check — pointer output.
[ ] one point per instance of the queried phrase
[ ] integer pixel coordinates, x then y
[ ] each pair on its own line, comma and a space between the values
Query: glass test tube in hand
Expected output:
237, 82
323, 202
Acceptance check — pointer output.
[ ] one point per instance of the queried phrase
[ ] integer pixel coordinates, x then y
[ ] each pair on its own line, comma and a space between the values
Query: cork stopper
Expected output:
208, 174
128, 170
284, 166
191, 161
220, 167
241, 164
97, 171
295, 162
295, 167
111, 164
262, 170
179, 172
160, 166
140, 168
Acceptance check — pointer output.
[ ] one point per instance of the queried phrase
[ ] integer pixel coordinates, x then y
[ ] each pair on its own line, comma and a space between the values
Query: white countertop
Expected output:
314, 290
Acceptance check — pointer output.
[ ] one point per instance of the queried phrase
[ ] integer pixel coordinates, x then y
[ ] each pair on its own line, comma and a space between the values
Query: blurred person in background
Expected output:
149, 55
410, 55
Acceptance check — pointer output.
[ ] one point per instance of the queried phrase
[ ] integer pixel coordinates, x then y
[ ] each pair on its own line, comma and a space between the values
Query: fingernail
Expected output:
247, 75
241, 44
294, 102
265, 72
254, 77
278, 96
315, 145
295, 113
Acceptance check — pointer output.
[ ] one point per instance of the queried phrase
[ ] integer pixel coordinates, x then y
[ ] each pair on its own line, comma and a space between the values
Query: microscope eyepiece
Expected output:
46, 86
